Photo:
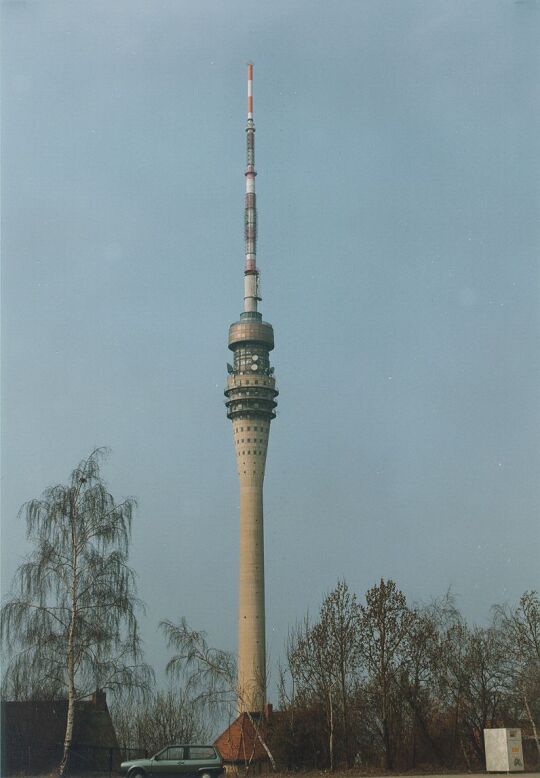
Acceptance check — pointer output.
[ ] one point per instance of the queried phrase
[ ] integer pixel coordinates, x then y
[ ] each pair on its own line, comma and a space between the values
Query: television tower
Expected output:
251, 391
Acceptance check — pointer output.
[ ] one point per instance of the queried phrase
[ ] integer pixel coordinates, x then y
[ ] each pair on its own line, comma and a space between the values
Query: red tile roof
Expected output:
240, 742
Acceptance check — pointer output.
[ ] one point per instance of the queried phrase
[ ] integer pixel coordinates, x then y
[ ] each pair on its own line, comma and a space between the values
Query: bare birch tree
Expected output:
70, 620
209, 676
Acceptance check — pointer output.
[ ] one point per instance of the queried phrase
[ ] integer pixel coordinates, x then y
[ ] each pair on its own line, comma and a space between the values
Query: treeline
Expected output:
370, 681
379, 682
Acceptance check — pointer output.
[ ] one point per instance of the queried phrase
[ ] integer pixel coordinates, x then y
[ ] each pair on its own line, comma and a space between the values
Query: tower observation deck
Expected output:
250, 401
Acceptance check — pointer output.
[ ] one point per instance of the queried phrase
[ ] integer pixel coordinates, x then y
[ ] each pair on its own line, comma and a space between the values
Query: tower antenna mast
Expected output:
251, 273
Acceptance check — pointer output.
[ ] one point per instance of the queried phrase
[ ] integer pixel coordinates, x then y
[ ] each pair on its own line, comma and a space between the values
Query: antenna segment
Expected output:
251, 274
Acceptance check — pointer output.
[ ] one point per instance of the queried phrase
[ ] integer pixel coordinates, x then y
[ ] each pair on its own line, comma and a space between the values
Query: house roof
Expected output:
35, 729
43, 722
241, 741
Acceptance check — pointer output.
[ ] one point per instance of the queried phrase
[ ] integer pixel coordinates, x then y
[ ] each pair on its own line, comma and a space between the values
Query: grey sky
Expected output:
397, 148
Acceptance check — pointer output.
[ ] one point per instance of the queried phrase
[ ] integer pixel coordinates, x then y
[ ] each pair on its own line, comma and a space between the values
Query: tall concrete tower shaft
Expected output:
251, 391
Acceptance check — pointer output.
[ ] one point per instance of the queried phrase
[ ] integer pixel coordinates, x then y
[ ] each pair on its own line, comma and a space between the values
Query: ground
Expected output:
318, 774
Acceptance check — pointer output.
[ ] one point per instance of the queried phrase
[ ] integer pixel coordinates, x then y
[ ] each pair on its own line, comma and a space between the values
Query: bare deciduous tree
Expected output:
339, 629
470, 679
70, 622
386, 623
165, 716
520, 636
417, 679
323, 664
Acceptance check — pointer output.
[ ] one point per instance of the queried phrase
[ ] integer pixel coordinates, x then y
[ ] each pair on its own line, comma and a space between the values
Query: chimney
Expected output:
99, 699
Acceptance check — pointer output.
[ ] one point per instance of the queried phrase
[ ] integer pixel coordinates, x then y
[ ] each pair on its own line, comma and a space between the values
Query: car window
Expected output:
201, 752
173, 753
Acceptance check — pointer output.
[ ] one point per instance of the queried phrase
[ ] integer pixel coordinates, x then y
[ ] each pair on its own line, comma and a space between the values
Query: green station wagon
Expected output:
178, 762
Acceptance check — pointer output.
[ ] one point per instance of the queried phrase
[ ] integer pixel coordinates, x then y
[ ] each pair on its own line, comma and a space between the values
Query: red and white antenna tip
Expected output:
250, 91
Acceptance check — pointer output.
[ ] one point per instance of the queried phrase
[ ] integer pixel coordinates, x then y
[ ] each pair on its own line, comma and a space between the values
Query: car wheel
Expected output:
137, 774
205, 775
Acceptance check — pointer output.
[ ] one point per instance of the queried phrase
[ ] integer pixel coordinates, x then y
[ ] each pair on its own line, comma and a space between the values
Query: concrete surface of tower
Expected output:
251, 391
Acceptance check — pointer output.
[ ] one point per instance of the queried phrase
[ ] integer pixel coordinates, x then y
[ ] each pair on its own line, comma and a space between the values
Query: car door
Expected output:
169, 762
